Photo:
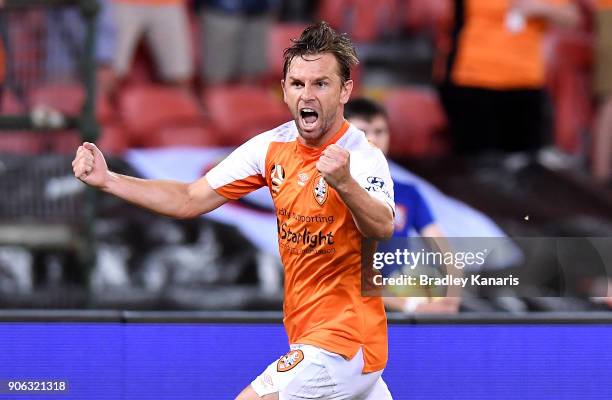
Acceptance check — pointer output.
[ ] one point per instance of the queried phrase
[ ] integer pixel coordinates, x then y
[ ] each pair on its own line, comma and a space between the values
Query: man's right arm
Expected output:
170, 198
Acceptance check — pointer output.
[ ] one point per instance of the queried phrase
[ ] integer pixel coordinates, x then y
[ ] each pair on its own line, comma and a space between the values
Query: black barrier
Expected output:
266, 317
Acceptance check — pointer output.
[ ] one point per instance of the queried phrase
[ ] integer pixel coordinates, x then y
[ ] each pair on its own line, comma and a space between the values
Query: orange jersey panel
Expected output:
499, 49
604, 4
319, 244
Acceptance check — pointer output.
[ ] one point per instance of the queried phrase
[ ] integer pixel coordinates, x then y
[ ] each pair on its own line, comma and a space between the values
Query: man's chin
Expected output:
311, 138
309, 131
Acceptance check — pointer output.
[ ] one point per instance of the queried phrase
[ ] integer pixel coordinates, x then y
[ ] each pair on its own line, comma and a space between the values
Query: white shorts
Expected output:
309, 372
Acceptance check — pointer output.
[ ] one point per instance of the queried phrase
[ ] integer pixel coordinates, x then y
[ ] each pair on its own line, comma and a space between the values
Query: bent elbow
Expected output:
388, 225
186, 214
381, 232
387, 231
188, 209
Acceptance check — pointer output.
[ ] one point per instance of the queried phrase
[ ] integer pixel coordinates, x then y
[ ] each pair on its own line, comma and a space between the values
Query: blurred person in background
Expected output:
602, 151
65, 32
3, 41
165, 26
235, 39
491, 76
412, 212
298, 10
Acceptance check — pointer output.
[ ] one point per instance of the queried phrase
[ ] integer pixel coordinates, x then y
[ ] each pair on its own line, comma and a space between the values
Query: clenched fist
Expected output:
90, 166
334, 165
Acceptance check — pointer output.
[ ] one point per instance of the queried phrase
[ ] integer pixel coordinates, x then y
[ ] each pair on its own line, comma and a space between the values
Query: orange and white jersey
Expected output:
319, 243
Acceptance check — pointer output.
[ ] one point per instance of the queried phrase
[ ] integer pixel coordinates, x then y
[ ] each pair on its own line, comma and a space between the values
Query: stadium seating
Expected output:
67, 98
63, 142
240, 112
11, 104
417, 123
21, 142
146, 109
279, 40
113, 139
365, 20
105, 110
195, 135
424, 15
373, 19
333, 11
569, 83
142, 70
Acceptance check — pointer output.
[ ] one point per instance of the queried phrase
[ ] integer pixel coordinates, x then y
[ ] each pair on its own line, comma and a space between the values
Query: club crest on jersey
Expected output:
277, 177
289, 360
302, 178
320, 190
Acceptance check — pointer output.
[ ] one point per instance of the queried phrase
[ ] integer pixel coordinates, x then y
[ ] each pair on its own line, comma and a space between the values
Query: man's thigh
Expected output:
380, 391
249, 394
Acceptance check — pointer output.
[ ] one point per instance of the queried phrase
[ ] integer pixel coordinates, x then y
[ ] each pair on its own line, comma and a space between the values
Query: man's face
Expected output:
316, 96
376, 130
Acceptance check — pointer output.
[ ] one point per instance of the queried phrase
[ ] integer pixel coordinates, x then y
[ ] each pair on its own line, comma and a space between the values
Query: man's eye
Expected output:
297, 84
322, 84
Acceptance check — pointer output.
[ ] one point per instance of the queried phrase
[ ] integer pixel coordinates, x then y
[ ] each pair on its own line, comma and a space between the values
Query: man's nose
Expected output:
307, 93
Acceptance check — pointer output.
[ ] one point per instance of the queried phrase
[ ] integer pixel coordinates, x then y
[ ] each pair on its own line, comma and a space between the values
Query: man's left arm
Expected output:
373, 217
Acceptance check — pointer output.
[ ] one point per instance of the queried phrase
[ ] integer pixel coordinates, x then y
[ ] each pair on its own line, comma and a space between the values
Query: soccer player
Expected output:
333, 197
412, 210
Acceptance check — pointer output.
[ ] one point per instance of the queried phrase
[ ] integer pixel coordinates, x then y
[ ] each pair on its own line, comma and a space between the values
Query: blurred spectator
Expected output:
492, 86
235, 38
412, 213
602, 157
165, 25
298, 10
106, 44
3, 40
65, 33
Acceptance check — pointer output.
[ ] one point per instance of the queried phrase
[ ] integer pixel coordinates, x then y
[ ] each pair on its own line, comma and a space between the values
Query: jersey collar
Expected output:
309, 153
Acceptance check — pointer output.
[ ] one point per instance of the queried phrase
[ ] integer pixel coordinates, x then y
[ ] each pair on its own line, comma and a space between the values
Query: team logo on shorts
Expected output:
320, 190
289, 360
277, 177
266, 381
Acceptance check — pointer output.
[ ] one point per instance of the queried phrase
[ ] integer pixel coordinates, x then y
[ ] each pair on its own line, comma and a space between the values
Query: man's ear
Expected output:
284, 94
345, 92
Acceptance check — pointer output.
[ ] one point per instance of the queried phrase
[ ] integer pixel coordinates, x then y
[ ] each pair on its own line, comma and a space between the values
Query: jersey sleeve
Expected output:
371, 171
243, 171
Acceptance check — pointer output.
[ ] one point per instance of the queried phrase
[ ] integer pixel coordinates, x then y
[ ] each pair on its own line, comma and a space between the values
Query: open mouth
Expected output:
309, 116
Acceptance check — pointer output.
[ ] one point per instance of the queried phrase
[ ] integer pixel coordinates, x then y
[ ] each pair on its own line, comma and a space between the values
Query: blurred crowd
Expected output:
503, 84
513, 76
